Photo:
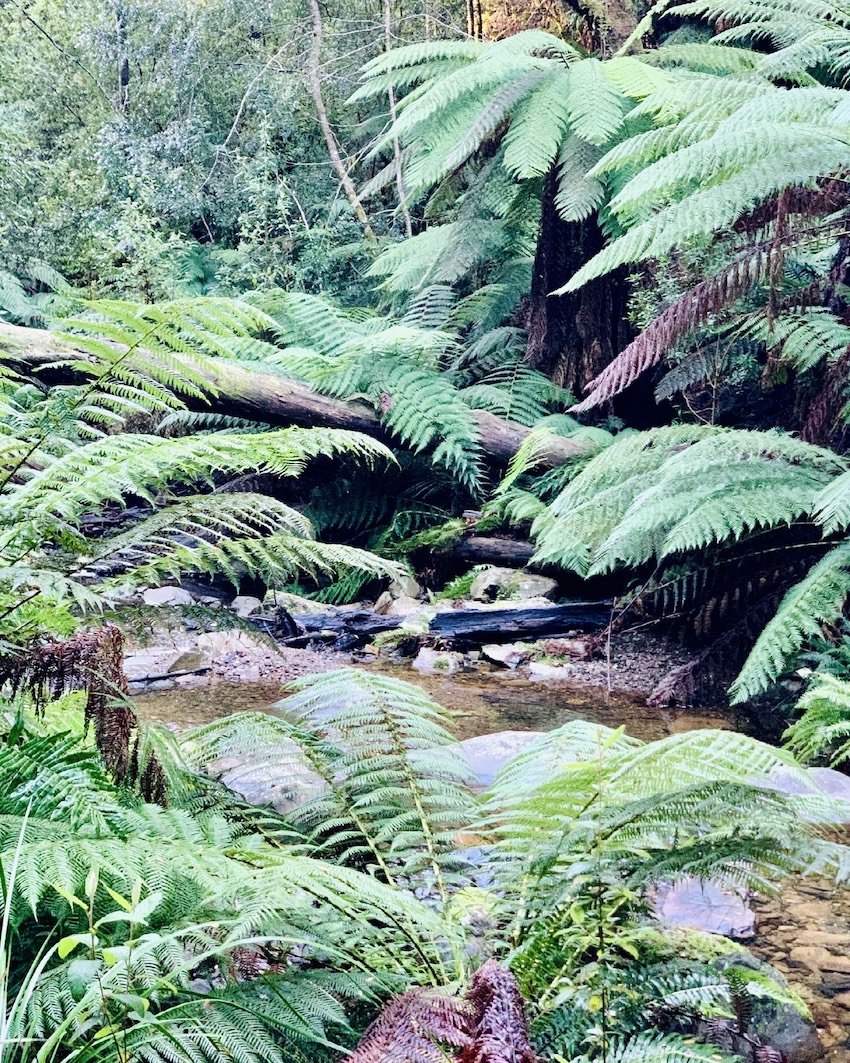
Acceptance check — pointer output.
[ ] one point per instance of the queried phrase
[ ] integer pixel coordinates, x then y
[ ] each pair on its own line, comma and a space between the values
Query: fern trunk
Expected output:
573, 337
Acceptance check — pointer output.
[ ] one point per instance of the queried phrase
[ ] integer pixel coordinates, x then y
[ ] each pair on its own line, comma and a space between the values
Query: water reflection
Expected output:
482, 702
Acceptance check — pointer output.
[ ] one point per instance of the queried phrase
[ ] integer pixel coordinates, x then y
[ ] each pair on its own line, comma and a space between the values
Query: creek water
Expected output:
805, 932
480, 703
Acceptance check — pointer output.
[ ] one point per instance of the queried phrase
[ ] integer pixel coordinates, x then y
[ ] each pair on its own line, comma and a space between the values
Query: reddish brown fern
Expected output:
412, 1027
755, 264
500, 1032
92, 661
423, 1026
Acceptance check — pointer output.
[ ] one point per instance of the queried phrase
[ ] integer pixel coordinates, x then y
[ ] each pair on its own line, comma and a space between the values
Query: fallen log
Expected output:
466, 627
255, 395
494, 550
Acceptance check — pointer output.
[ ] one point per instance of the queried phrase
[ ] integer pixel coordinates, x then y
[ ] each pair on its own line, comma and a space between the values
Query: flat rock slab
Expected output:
163, 662
487, 754
705, 906
158, 596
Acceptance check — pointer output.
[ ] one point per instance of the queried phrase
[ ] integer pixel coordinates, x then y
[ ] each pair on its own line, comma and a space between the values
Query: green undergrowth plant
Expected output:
737, 535
559, 860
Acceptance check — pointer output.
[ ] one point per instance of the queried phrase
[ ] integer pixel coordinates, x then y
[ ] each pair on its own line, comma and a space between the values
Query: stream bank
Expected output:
195, 677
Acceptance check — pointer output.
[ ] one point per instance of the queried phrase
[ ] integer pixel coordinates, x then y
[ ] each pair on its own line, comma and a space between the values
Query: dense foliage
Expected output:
214, 930
301, 298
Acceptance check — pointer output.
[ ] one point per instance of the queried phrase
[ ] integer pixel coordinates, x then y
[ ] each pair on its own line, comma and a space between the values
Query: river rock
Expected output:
513, 583
404, 587
383, 602
437, 662
245, 605
159, 596
279, 778
402, 606
487, 754
700, 905
541, 670
155, 663
511, 655
191, 661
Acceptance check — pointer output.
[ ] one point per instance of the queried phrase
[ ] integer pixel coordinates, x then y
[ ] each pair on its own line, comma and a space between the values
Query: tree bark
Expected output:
252, 394
572, 337
467, 627
315, 81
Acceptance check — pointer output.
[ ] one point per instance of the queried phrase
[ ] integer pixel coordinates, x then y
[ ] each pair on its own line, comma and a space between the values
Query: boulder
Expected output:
245, 605
814, 782
706, 906
514, 583
404, 587
159, 596
779, 1022
487, 754
437, 662
541, 670
502, 605
402, 606
191, 661
511, 655
279, 778
383, 603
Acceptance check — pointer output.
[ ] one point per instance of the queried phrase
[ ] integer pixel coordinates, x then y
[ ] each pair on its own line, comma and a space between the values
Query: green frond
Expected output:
824, 726
816, 600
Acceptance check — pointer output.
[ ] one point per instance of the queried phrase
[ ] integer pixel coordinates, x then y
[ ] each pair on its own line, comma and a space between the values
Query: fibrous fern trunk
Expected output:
572, 337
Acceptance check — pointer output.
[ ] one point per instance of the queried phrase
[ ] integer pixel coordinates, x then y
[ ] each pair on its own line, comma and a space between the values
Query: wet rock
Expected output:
159, 596
515, 583
540, 670
511, 655
246, 605
437, 662
278, 778
704, 906
402, 606
487, 754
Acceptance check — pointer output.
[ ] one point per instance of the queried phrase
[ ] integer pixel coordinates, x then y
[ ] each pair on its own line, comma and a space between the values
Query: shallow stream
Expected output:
481, 703
805, 932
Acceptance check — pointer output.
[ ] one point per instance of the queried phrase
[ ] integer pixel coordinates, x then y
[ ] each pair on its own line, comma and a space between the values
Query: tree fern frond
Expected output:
817, 599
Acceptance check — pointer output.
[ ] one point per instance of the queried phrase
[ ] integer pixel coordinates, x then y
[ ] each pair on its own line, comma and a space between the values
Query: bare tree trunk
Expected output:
572, 337
315, 81
399, 175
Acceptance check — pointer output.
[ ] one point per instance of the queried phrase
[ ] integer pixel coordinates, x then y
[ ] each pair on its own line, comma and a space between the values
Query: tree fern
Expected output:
824, 725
